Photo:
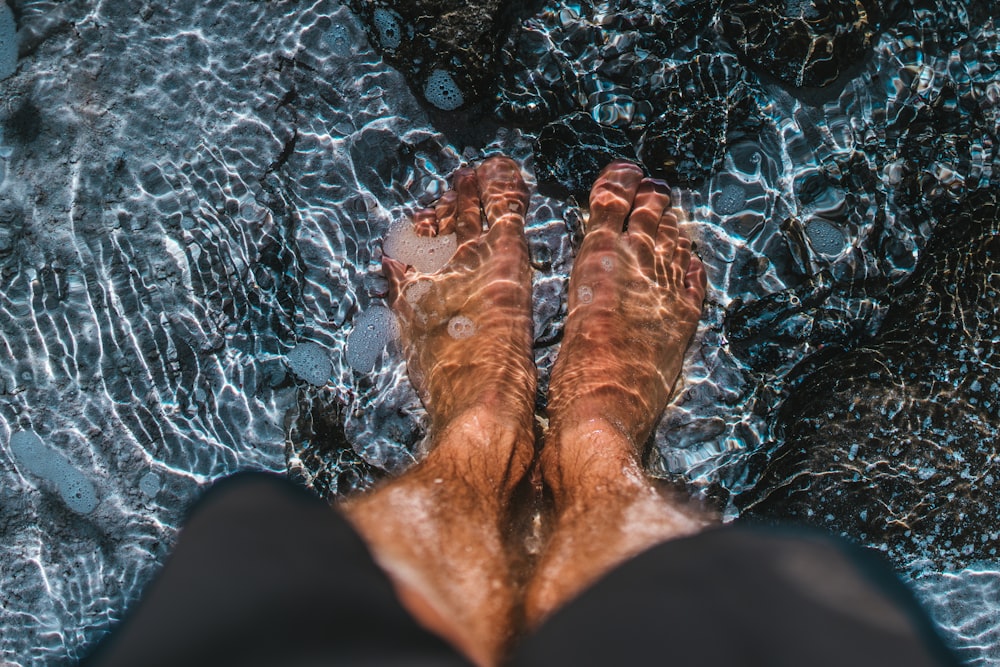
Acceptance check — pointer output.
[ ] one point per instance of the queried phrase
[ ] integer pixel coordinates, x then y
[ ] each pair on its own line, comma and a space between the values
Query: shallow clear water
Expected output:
192, 201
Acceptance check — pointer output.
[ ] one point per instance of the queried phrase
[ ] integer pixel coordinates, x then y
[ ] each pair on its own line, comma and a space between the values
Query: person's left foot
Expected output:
467, 329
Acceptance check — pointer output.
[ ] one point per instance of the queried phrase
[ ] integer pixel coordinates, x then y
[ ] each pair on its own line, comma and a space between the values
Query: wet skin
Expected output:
467, 329
635, 297
441, 530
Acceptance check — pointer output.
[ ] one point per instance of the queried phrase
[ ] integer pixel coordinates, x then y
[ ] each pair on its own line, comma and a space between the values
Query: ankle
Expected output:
488, 453
592, 458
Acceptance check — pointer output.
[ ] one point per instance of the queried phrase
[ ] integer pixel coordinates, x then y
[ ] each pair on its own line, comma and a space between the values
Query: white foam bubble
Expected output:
426, 254
150, 484
40, 460
825, 238
442, 91
390, 33
731, 199
460, 327
310, 362
373, 329
584, 294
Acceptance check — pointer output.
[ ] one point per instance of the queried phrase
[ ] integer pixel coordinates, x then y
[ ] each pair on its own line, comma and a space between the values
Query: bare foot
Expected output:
467, 329
635, 299
440, 530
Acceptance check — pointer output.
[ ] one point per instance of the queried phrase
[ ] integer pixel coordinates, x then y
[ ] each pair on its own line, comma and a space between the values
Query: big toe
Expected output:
502, 191
612, 196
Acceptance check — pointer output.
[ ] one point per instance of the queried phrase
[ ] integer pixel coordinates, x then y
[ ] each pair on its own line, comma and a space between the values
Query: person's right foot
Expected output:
635, 297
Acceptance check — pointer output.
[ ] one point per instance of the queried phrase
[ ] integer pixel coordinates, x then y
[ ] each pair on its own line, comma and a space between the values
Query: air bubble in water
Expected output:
460, 327
731, 199
584, 293
38, 459
416, 291
608, 264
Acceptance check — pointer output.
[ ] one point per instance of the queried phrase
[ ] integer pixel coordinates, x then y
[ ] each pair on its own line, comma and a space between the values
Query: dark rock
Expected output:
895, 443
24, 124
446, 49
801, 42
687, 141
540, 82
570, 153
568, 58
661, 24
319, 454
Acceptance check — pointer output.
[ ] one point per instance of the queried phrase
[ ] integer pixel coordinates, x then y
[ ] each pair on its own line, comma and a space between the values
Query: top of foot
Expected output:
635, 298
467, 328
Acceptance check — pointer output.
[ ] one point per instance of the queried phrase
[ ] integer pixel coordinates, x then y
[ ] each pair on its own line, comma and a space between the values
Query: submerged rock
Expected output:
571, 152
687, 141
447, 49
596, 56
895, 443
801, 42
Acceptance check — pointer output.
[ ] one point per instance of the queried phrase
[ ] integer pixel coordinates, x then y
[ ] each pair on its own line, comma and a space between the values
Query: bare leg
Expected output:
440, 529
635, 298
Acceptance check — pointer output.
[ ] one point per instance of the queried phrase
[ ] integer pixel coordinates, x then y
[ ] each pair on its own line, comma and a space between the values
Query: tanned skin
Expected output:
443, 530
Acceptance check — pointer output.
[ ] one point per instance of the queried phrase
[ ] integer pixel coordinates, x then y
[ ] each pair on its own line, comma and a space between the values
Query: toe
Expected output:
395, 272
651, 199
696, 281
445, 212
502, 191
468, 211
666, 241
612, 196
682, 256
425, 223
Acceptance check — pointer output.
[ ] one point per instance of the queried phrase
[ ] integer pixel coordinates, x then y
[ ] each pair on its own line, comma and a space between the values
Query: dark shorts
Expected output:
266, 574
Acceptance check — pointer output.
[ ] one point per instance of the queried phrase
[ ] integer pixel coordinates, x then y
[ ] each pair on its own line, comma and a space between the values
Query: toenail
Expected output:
584, 294
460, 327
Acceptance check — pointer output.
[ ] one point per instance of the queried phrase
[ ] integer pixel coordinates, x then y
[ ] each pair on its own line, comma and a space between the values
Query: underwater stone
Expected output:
890, 443
372, 331
8, 42
807, 43
310, 362
11, 223
687, 141
42, 461
571, 151
461, 40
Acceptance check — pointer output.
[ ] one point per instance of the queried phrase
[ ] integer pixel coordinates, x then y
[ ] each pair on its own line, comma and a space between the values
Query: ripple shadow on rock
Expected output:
571, 151
802, 42
894, 444
446, 49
